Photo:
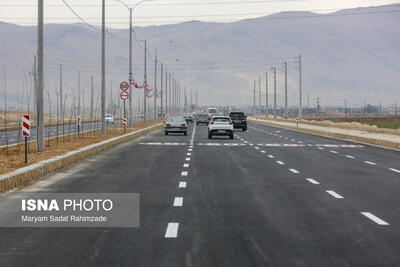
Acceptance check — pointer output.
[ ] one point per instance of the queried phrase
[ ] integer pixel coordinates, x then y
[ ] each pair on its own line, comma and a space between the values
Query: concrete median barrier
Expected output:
34, 172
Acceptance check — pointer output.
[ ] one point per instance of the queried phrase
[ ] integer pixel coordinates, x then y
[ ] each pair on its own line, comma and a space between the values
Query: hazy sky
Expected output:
157, 12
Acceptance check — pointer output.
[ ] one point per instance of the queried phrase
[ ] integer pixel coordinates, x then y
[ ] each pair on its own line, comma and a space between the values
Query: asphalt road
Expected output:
269, 197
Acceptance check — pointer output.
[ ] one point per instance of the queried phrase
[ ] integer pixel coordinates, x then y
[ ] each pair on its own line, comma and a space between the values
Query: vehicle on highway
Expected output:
188, 117
109, 118
202, 118
220, 125
175, 125
211, 112
239, 119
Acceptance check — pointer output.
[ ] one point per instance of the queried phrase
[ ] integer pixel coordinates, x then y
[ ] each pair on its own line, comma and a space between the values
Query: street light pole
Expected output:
275, 112
103, 68
39, 87
130, 114
145, 82
155, 87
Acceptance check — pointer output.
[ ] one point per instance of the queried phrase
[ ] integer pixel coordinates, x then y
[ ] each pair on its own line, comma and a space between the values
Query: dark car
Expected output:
239, 120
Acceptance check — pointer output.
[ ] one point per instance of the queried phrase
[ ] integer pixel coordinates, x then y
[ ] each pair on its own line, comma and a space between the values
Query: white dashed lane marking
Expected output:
187, 159
184, 173
270, 156
280, 162
188, 154
350, 157
262, 151
172, 230
369, 162
312, 181
294, 170
333, 151
395, 170
186, 165
373, 218
182, 184
178, 202
334, 194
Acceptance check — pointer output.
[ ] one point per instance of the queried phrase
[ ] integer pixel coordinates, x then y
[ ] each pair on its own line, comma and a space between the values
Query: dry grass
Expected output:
13, 157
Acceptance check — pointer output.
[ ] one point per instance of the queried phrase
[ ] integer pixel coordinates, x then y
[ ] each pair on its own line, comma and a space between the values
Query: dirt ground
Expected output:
13, 157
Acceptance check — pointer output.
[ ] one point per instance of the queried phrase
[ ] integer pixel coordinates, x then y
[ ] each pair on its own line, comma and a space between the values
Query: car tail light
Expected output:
244, 119
183, 124
230, 122
212, 122
168, 125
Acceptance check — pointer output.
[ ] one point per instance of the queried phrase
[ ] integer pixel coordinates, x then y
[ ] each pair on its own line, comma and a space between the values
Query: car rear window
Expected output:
221, 120
237, 115
176, 119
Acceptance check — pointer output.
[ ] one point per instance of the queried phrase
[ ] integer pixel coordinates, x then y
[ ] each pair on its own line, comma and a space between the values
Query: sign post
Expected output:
26, 132
297, 120
124, 95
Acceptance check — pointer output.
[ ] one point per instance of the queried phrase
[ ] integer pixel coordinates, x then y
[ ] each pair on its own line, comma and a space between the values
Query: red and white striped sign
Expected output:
124, 120
26, 125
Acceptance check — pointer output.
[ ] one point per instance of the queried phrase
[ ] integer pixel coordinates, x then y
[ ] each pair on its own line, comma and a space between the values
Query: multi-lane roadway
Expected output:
269, 197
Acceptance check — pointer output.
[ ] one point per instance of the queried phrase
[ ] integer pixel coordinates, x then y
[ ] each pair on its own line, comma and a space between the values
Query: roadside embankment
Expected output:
386, 140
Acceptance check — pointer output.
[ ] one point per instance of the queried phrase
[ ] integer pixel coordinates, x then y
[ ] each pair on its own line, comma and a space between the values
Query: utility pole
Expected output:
286, 96
345, 107
274, 70
191, 98
39, 89
91, 98
395, 112
155, 86
319, 107
254, 98
103, 68
197, 98
300, 91
266, 93
130, 109
259, 93
145, 82
170, 93
162, 91
61, 98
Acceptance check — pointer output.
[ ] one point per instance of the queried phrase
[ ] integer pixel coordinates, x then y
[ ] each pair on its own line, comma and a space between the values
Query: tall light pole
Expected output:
155, 86
300, 91
103, 68
266, 93
274, 70
145, 82
161, 90
254, 98
286, 96
39, 87
130, 108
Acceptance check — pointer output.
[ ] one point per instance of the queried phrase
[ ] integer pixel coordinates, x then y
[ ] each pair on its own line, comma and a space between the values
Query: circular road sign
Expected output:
124, 86
124, 95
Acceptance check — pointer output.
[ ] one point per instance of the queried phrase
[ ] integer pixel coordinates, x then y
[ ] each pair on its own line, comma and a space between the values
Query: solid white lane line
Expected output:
184, 173
172, 230
280, 162
395, 170
369, 162
270, 156
187, 159
262, 151
294, 170
188, 154
333, 151
182, 184
185, 165
312, 181
372, 217
178, 202
350, 157
334, 194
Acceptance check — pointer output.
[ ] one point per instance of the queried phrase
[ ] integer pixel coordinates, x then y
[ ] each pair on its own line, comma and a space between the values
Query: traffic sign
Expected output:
124, 95
26, 125
124, 120
124, 86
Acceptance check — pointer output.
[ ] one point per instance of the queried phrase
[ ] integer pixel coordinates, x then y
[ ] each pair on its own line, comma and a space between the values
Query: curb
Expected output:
346, 137
25, 175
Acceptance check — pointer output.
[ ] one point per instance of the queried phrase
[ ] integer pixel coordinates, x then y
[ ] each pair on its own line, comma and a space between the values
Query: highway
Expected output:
12, 135
269, 197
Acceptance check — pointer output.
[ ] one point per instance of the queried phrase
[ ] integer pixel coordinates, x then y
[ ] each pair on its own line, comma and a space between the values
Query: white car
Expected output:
109, 118
220, 125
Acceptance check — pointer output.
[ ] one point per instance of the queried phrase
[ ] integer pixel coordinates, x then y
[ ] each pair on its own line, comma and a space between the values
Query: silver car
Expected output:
175, 125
